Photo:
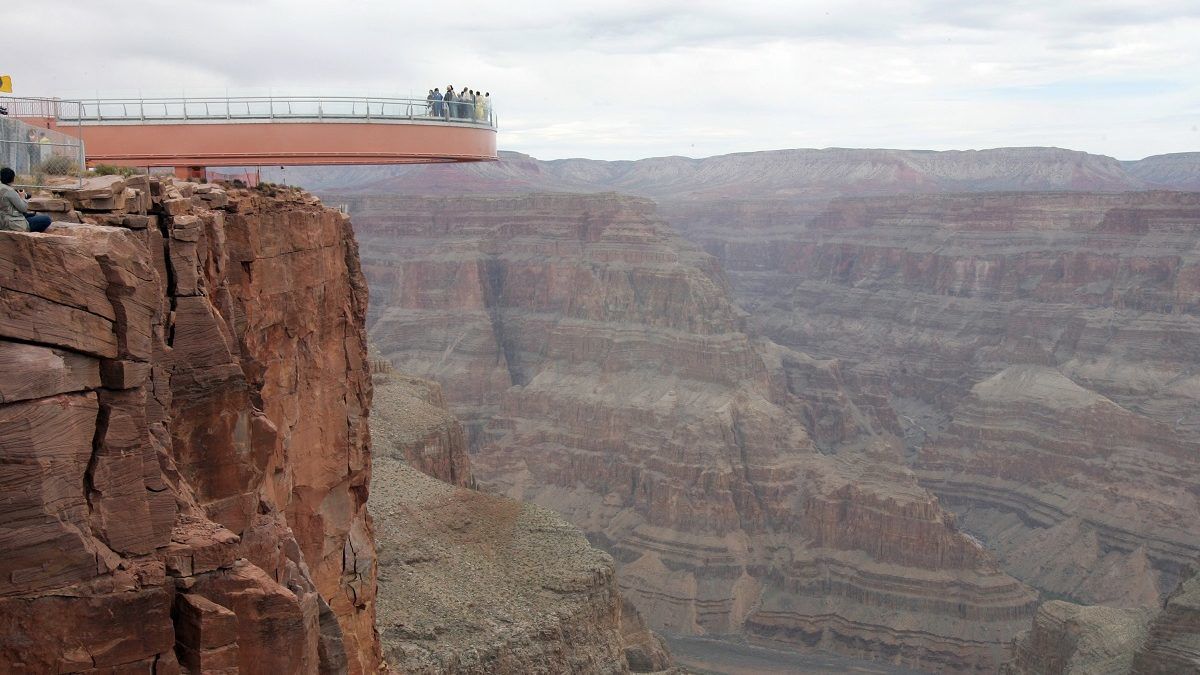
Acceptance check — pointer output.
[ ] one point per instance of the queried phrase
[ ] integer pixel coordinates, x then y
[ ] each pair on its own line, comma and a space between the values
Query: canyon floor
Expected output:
709, 656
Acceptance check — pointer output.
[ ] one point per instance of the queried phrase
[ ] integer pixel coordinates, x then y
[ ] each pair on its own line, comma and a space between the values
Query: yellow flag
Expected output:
6, 84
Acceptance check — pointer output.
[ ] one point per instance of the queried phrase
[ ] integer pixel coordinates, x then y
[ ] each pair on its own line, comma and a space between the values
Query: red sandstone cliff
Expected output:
602, 371
183, 445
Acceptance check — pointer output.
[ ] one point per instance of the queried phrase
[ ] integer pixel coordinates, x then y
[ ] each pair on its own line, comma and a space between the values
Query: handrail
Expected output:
234, 108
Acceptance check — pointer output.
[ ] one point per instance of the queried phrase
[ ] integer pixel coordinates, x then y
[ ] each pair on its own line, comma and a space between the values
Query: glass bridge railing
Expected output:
233, 109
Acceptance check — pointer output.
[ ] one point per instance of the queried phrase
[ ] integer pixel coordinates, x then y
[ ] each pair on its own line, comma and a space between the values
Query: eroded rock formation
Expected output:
1067, 638
602, 370
183, 444
1040, 356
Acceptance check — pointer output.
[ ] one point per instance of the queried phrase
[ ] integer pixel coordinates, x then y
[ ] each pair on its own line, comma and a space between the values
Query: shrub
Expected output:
58, 165
110, 170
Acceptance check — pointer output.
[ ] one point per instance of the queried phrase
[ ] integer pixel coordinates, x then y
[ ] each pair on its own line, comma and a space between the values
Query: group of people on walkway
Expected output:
465, 104
14, 210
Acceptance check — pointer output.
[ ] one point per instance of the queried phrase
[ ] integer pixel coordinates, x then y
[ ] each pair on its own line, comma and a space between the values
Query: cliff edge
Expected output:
184, 453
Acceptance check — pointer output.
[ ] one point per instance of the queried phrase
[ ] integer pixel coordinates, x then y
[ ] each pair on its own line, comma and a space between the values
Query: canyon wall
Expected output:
601, 370
1041, 357
183, 444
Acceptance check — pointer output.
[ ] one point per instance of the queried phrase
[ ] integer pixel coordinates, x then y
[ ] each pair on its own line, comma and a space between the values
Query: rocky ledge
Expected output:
475, 583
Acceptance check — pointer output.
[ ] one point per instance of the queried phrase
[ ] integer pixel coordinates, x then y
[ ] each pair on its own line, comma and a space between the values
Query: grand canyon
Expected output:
833, 410
884, 403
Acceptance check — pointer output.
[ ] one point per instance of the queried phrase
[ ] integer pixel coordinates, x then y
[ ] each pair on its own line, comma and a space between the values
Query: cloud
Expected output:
624, 79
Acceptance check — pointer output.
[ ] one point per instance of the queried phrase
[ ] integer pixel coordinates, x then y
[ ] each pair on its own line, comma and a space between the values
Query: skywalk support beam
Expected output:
290, 142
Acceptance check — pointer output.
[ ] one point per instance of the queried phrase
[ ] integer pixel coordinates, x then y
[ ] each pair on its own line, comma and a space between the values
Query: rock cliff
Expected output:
601, 370
475, 583
183, 444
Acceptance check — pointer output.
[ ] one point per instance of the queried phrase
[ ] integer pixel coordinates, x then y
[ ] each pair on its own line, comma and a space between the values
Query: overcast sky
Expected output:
631, 79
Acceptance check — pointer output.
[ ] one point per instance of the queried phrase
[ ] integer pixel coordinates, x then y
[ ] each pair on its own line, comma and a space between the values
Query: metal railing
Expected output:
41, 157
232, 109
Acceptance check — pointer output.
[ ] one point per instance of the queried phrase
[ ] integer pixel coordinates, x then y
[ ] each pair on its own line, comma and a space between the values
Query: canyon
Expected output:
995, 347
938, 410
601, 370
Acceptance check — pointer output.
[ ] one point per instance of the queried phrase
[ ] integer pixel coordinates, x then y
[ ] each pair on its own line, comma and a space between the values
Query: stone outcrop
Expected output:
183, 444
601, 370
1067, 638
413, 425
1070, 639
476, 583
1173, 642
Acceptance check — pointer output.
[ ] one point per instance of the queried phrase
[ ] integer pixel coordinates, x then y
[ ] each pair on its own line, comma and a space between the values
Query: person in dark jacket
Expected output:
14, 210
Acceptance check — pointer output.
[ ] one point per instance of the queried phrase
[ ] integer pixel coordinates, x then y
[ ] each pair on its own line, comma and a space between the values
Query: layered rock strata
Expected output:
183, 444
1094, 296
475, 583
603, 371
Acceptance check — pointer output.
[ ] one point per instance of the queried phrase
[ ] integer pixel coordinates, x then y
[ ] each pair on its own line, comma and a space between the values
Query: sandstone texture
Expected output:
601, 370
476, 583
184, 454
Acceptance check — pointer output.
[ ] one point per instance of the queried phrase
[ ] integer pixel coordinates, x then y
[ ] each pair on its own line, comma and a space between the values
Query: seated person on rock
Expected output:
14, 210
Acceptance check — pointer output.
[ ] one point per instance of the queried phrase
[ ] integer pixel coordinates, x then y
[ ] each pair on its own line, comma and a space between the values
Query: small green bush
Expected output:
58, 166
110, 170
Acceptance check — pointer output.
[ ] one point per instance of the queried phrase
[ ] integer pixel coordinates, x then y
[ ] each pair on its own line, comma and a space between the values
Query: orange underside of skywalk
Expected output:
283, 143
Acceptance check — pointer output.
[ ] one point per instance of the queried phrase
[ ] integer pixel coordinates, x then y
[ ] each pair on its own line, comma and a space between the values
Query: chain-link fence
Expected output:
41, 156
